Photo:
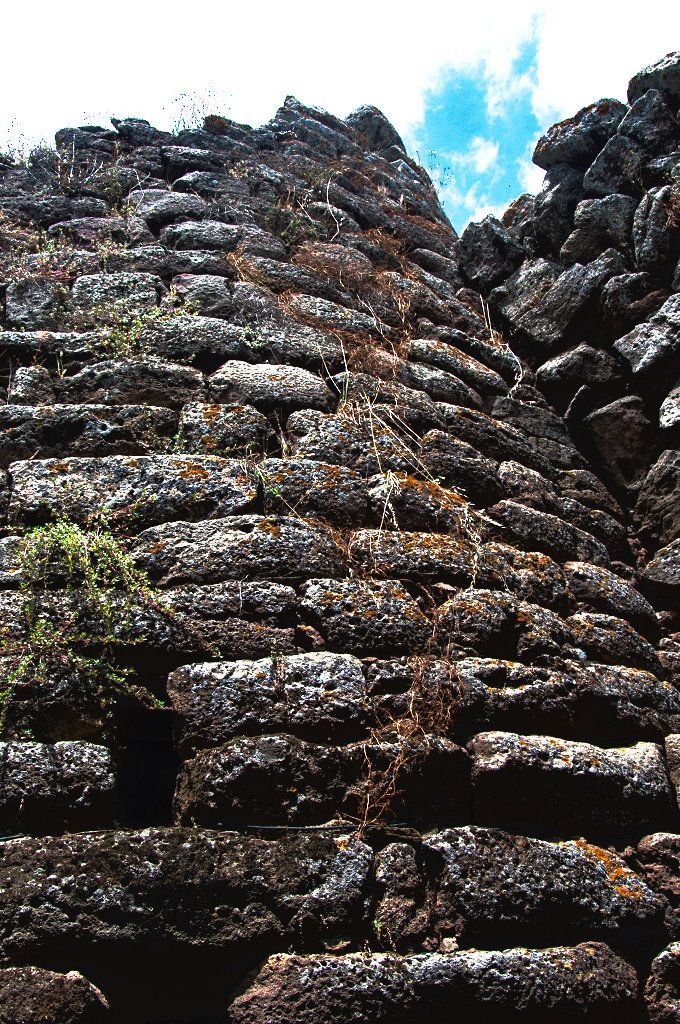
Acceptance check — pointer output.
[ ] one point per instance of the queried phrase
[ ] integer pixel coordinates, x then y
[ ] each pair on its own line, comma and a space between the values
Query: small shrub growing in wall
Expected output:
80, 595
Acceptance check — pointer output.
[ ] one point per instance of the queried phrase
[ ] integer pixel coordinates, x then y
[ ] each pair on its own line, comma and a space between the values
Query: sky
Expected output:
470, 86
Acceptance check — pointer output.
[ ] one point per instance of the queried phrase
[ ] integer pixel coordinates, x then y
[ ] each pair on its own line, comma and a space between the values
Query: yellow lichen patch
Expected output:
616, 871
194, 472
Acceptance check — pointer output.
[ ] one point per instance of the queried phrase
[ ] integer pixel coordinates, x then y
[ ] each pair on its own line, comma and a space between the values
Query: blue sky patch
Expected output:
477, 138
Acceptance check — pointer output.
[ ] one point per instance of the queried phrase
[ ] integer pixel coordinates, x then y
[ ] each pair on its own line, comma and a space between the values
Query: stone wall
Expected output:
339, 578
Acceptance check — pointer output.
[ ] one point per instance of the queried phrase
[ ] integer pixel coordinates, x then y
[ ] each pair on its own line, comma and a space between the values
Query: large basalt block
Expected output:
237, 548
565, 984
226, 430
139, 381
54, 788
163, 904
307, 487
623, 440
534, 530
96, 294
661, 575
576, 701
142, 490
265, 890
492, 886
658, 505
50, 431
577, 140
487, 253
493, 623
664, 74
315, 696
363, 617
160, 207
662, 991
543, 785
651, 347
599, 590
281, 780
34, 995
268, 386
447, 357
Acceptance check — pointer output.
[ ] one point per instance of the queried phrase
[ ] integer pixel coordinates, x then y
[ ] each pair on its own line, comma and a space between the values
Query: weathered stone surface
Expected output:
662, 573
365, 442
564, 309
270, 387
662, 991
562, 376
222, 430
542, 785
669, 413
554, 208
623, 438
658, 856
448, 357
651, 347
206, 294
140, 490
159, 207
282, 780
650, 123
493, 623
130, 382
305, 487
578, 140
548, 533
487, 253
45, 788
617, 168
97, 293
491, 884
362, 617
569, 983
206, 340
417, 556
31, 305
315, 696
33, 995
598, 589
380, 135
83, 430
663, 75
412, 504
672, 750
577, 701
599, 224
31, 385
237, 548
300, 889
611, 640
657, 510
656, 233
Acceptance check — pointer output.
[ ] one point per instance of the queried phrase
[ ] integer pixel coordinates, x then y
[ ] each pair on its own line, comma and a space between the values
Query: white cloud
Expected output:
587, 50
529, 175
483, 154
67, 64
63, 64
480, 156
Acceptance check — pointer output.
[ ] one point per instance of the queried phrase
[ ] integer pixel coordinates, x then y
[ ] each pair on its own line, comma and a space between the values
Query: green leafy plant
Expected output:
126, 331
78, 636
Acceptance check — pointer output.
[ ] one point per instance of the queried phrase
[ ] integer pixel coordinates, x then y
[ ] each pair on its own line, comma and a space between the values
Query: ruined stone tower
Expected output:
340, 578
